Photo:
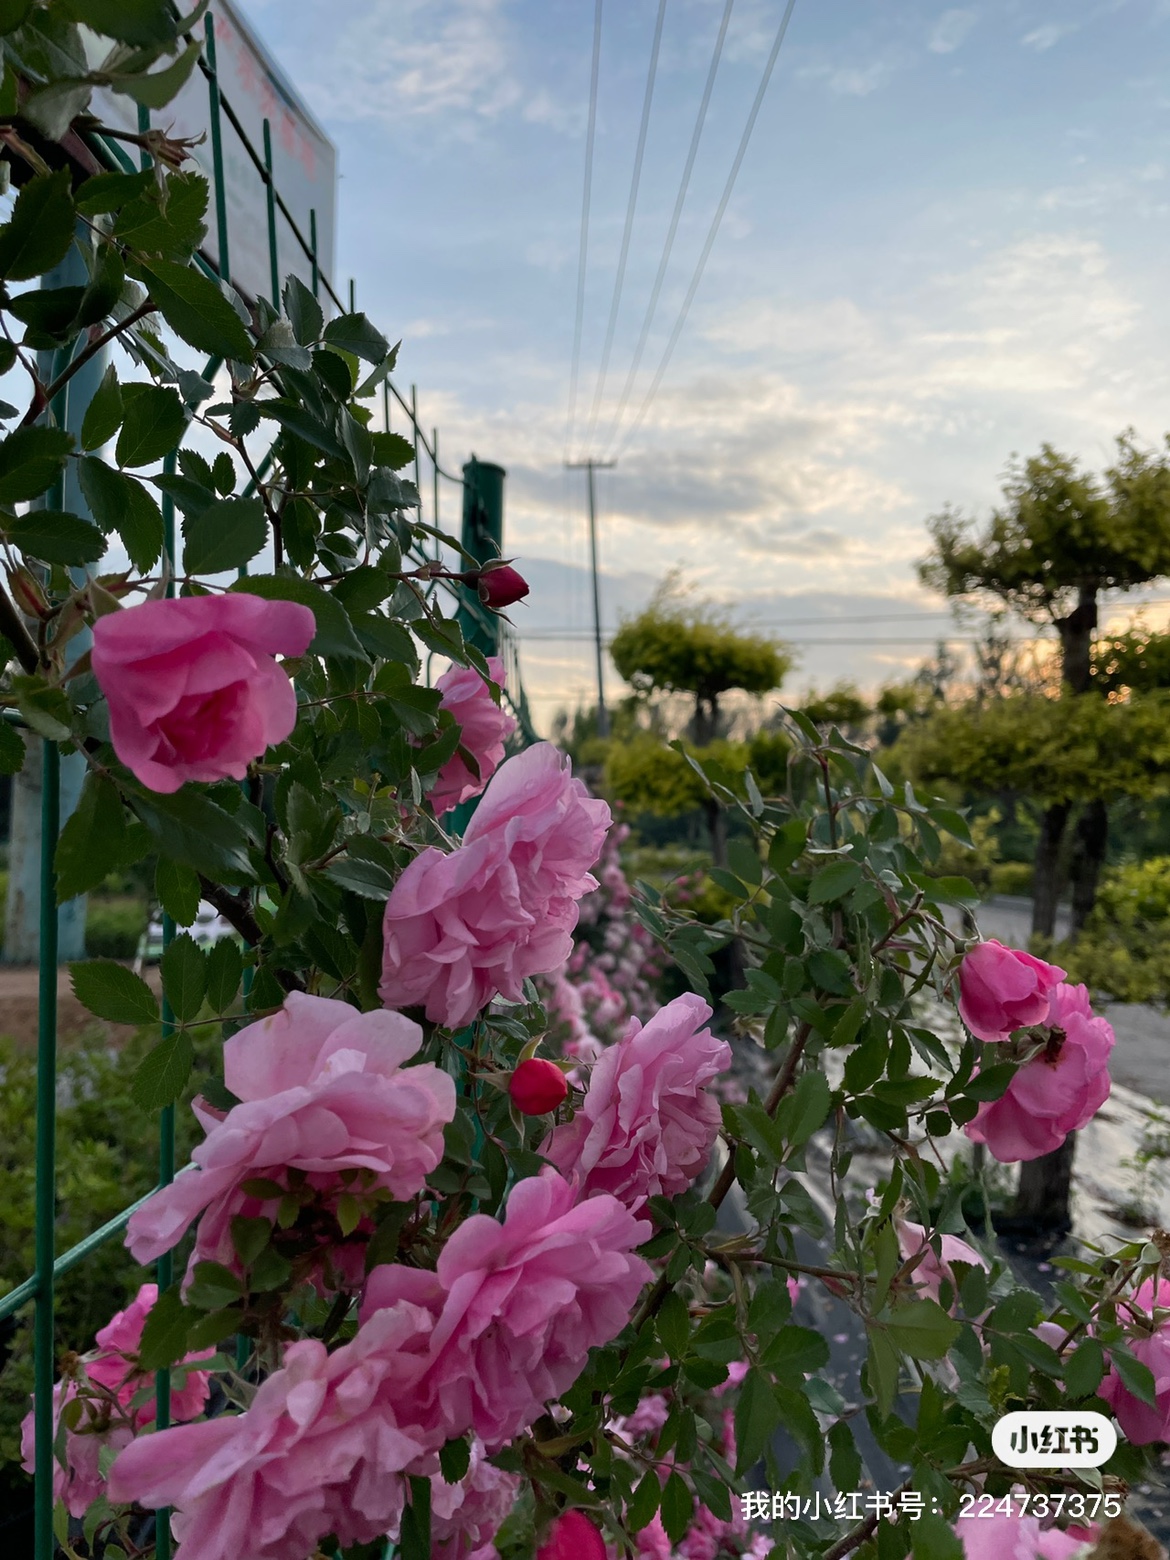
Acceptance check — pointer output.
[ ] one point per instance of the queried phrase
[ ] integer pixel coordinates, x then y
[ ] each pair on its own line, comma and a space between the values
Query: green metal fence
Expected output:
485, 629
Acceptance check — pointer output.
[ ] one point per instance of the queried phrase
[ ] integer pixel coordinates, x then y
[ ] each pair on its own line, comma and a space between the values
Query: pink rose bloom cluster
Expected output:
464, 926
518, 1308
647, 1125
107, 1418
192, 687
1056, 1092
483, 729
928, 1276
1002, 989
1000, 1537
1141, 1423
506, 1323
322, 1090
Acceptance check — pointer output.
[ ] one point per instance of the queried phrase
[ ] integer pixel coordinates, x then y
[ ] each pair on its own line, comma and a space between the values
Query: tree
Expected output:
1061, 538
682, 645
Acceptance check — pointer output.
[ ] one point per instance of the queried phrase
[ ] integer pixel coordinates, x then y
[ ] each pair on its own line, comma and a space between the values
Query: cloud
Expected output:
950, 30
849, 80
1042, 38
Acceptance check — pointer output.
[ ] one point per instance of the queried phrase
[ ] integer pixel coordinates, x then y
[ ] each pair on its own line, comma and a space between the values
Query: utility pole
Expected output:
591, 466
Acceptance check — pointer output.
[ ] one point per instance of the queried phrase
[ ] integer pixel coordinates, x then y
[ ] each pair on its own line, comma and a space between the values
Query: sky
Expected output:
947, 243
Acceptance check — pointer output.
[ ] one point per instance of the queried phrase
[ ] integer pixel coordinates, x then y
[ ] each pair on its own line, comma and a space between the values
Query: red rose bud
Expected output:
537, 1087
499, 588
572, 1536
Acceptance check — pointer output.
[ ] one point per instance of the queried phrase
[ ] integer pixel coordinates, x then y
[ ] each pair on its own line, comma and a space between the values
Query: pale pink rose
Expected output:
192, 687
466, 1516
518, 1307
483, 729
107, 1417
316, 1452
464, 926
572, 1537
1000, 1537
1057, 1091
322, 1090
1002, 989
648, 1123
928, 1276
1141, 1423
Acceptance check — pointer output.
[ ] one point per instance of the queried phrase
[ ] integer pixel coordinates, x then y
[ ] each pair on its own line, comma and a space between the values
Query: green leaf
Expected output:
335, 635
805, 1109
103, 415
933, 1538
757, 1414
140, 22
834, 882
304, 312
176, 888
414, 1540
454, 1455
164, 1335
225, 535
107, 192
54, 536
13, 13
795, 1351
48, 311
225, 969
195, 309
163, 1072
121, 504
184, 977
640, 1511
153, 422
11, 750
157, 89
1084, 1369
298, 420
113, 992
41, 229
223, 474
883, 1368
191, 828
1135, 1377
367, 878
213, 1285
674, 1325
354, 333
1019, 1312
921, 1329
31, 459
392, 450
208, 1331
92, 841
167, 222
46, 710
990, 1083
249, 1237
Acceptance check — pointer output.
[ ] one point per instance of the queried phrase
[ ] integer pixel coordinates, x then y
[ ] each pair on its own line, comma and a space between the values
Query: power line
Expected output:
680, 198
714, 228
585, 199
631, 203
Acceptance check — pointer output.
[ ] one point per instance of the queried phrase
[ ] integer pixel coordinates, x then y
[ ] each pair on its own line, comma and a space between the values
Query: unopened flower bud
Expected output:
537, 1087
500, 587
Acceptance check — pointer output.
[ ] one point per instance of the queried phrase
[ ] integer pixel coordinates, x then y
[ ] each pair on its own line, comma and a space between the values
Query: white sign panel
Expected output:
304, 160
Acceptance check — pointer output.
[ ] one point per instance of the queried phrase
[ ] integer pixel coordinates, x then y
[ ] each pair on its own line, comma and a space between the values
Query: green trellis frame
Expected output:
38, 1289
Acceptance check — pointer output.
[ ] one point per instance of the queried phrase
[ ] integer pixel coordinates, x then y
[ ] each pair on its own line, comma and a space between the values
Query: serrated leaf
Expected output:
92, 841
164, 1334
103, 415
30, 460
40, 231
354, 333
454, 1456
674, 1325
11, 750
121, 504
210, 1330
366, 878
176, 888
53, 536
757, 1415
834, 882
676, 1507
1084, 1369
225, 535
193, 829
304, 312
112, 992
921, 1329
196, 309
153, 423
334, 636
249, 1237
1135, 1376
225, 969
140, 22
157, 89
184, 977
162, 1073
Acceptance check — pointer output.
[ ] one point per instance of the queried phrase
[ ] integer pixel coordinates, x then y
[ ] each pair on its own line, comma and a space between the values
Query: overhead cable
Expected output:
714, 228
584, 249
631, 204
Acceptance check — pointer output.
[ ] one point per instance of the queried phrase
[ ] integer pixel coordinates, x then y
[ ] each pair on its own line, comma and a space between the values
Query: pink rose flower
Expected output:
1057, 1091
322, 1090
647, 1124
1002, 989
928, 1276
1000, 1537
518, 1307
483, 729
572, 1537
466, 1516
107, 1418
192, 687
464, 926
1141, 1423
316, 1452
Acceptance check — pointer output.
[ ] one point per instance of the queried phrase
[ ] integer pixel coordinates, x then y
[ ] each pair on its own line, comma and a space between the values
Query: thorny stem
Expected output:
84, 356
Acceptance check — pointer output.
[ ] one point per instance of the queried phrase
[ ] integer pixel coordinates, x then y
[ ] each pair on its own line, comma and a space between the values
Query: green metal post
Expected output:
386, 404
221, 228
270, 186
435, 482
417, 465
483, 538
352, 296
313, 248
46, 1160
